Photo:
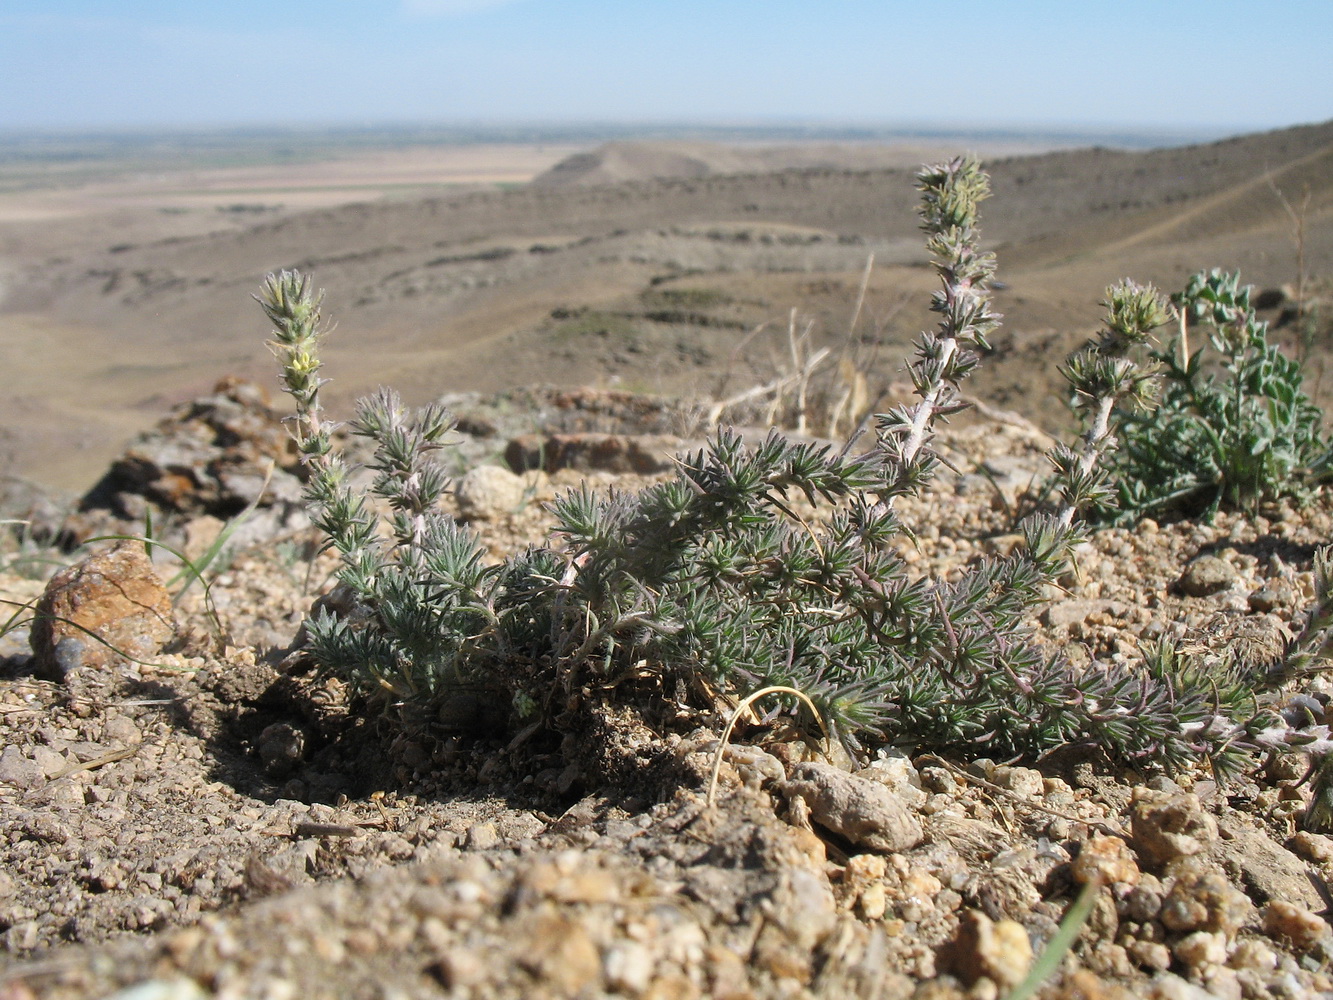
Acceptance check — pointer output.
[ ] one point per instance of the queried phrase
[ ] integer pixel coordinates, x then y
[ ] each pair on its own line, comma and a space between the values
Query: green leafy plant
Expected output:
1233, 428
766, 566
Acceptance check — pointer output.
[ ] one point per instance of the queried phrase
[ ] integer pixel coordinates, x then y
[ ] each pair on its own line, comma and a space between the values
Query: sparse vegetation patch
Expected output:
768, 566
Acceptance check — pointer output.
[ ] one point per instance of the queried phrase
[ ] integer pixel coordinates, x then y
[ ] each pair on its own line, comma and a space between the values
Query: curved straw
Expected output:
735, 717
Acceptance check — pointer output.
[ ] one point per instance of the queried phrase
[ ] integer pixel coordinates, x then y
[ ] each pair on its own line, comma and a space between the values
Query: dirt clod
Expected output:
1167, 826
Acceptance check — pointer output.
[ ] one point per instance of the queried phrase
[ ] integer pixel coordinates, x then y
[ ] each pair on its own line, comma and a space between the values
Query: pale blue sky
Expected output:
1141, 63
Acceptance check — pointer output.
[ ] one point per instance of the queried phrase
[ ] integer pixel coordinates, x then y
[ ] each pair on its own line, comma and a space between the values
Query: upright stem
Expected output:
1184, 341
951, 193
924, 411
1095, 441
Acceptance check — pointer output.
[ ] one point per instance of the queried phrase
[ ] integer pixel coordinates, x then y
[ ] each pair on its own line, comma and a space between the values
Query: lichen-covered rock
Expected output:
863, 811
114, 596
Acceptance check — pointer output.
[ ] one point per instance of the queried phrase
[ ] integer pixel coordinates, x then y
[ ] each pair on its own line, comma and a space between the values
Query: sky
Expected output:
1155, 64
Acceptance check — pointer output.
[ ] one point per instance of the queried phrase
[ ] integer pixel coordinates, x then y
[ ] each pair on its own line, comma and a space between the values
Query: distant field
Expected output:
27, 194
280, 161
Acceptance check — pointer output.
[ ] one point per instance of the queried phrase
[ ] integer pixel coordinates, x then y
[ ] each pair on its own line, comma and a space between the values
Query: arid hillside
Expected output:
650, 283
625, 160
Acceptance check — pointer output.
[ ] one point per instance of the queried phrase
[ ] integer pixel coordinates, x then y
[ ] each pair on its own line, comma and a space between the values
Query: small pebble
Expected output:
1251, 953
1107, 859
1200, 949
1150, 955
17, 769
628, 967
1264, 600
863, 811
1167, 826
996, 950
1022, 781
1294, 925
1168, 986
1206, 576
873, 902
1204, 900
1312, 847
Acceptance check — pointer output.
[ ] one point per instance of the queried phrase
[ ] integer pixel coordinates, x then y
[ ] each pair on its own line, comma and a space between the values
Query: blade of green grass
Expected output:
1058, 946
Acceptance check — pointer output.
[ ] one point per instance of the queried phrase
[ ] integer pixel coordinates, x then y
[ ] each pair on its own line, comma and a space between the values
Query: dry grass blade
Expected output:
96, 762
851, 399
16, 621
735, 717
777, 386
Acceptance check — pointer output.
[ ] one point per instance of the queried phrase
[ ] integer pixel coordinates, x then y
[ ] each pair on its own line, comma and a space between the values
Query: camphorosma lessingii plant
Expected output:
951, 196
294, 310
418, 576
744, 593
293, 307
712, 583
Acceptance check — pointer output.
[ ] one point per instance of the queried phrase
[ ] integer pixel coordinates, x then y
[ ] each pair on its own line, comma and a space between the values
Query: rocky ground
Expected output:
217, 821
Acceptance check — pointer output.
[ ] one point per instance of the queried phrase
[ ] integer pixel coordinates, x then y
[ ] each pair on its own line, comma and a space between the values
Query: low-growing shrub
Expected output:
758, 566
1233, 427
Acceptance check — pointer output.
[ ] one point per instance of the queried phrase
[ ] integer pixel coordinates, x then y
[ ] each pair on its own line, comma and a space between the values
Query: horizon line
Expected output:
909, 126
529, 132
